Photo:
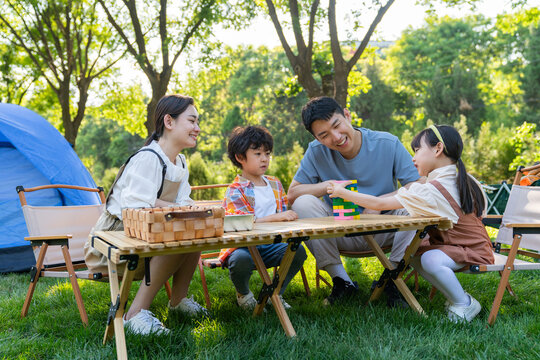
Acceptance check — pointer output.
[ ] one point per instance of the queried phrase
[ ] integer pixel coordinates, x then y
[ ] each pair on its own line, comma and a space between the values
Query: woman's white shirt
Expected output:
139, 184
425, 200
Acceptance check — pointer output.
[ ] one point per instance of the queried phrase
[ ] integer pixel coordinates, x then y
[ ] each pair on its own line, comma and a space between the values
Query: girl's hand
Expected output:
336, 189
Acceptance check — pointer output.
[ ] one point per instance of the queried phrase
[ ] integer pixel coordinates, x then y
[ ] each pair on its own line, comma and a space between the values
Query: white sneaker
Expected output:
285, 305
189, 307
464, 313
246, 302
145, 323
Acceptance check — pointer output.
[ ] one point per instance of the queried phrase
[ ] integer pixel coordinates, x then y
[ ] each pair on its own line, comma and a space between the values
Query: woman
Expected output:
156, 176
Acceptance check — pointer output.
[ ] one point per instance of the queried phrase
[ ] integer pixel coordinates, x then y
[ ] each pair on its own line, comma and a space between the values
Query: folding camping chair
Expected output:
520, 229
58, 235
65, 230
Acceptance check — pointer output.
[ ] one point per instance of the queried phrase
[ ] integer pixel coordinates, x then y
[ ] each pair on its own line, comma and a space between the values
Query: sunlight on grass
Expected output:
208, 333
58, 288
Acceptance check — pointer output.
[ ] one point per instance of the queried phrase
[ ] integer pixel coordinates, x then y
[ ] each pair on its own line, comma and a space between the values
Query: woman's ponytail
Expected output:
152, 137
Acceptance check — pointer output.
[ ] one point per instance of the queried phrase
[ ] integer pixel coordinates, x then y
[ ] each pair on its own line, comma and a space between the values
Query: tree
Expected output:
16, 78
247, 86
334, 83
531, 80
138, 23
439, 67
376, 107
67, 46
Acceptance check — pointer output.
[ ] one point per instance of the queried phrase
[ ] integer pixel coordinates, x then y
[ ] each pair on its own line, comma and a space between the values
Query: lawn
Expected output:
354, 330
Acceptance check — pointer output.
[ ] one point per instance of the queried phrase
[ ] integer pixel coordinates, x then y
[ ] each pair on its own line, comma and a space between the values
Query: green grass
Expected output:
53, 329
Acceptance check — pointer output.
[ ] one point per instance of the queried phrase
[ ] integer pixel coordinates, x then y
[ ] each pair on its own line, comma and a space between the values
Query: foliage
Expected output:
531, 81
325, 69
247, 86
526, 142
177, 25
103, 147
284, 167
66, 44
439, 67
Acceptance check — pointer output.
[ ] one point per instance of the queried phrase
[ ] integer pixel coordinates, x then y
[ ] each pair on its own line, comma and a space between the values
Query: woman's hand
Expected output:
337, 189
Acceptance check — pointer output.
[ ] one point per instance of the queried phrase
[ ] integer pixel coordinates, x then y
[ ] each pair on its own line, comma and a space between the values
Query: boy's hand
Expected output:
288, 215
336, 189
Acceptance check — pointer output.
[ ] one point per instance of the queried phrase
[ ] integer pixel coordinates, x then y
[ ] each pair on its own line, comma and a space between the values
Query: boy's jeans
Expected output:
241, 264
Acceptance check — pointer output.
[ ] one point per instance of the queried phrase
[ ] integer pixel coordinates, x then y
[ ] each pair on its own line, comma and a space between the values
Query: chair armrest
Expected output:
491, 220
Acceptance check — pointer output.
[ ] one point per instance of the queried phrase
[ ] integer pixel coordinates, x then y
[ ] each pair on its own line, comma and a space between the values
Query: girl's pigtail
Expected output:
470, 194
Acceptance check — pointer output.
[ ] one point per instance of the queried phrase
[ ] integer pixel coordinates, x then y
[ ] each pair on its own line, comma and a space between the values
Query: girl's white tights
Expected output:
438, 268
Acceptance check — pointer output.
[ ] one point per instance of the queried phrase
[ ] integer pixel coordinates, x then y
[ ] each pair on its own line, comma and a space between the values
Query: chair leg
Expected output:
508, 287
33, 282
304, 279
411, 273
204, 285
432, 292
504, 279
168, 289
319, 278
75, 284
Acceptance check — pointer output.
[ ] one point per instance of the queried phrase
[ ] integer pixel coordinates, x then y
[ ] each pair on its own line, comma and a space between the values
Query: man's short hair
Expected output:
249, 137
320, 108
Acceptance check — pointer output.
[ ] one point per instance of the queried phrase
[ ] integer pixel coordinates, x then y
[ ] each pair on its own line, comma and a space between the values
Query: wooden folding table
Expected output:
117, 248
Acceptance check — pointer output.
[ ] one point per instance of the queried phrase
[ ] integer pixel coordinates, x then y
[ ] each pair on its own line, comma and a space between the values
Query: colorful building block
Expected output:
346, 210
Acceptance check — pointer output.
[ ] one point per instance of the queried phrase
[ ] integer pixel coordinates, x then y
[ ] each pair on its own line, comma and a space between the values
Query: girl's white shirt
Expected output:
425, 200
141, 180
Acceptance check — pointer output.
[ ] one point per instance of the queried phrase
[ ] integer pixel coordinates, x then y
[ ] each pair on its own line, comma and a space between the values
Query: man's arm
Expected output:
297, 189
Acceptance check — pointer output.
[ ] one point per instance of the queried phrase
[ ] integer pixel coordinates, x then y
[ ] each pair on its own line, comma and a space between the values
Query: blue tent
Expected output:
33, 153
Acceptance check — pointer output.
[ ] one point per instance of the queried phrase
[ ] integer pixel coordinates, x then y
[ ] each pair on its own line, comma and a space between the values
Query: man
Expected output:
377, 160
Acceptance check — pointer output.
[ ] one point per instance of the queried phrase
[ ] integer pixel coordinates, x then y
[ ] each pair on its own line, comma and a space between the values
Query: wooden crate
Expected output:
173, 223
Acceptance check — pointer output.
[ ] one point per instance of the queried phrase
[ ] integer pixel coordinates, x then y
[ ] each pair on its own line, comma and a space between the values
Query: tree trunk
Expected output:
341, 88
159, 89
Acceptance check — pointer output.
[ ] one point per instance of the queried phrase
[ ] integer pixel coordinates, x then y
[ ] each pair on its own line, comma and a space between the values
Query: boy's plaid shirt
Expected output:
240, 196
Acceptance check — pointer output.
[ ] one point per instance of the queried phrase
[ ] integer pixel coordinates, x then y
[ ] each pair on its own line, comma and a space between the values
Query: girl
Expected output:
449, 192
155, 176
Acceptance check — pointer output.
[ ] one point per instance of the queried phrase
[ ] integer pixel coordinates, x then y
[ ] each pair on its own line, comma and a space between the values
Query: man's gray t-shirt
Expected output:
381, 162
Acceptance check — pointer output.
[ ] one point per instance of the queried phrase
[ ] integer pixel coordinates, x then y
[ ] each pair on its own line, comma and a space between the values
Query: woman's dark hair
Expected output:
320, 108
470, 194
173, 105
249, 137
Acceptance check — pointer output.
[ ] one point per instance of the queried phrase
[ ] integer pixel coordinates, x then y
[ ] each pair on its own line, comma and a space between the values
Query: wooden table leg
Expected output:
400, 284
276, 301
384, 261
119, 296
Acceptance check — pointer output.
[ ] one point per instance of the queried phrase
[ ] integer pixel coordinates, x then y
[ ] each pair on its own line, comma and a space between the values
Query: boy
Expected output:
255, 193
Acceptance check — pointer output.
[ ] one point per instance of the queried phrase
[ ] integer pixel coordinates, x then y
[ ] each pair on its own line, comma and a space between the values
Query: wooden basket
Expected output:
173, 223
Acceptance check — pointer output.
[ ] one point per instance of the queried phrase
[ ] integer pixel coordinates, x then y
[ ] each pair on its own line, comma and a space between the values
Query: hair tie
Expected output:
438, 135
